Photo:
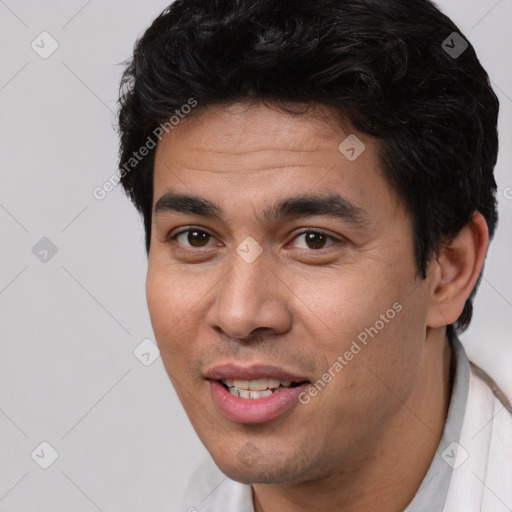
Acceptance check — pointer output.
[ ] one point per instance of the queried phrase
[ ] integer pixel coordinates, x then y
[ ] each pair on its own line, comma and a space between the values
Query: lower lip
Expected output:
255, 410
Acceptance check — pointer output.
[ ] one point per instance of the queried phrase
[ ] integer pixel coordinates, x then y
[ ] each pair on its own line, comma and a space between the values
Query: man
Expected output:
316, 181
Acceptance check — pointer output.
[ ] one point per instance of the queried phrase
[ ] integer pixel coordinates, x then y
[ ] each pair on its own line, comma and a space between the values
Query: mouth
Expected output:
254, 394
258, 388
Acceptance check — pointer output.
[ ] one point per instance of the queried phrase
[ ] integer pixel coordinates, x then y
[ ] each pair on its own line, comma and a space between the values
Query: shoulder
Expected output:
483, 470
496, 429
488, 418
483, 376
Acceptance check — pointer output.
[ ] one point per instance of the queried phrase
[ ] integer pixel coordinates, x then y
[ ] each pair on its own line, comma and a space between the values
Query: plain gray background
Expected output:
70, 322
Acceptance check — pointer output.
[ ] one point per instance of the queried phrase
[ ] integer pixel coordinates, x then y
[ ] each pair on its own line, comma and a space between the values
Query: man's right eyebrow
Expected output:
187, 204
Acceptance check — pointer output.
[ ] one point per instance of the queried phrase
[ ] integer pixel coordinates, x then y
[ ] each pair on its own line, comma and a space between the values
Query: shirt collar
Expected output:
431, 495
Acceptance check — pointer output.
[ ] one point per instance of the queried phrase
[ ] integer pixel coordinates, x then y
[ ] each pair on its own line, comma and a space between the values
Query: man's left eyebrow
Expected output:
332, 205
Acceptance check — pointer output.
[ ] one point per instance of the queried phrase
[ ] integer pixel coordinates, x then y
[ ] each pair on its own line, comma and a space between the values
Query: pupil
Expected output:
195, 236
315, 240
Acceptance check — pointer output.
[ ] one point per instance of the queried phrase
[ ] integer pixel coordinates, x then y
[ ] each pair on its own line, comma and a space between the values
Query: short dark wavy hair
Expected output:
379, 63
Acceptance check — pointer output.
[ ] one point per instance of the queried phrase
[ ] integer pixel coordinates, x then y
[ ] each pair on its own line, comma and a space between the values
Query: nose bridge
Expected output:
250, 296
244, 291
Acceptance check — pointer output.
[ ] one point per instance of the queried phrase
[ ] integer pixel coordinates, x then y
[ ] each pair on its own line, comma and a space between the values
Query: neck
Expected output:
391, 477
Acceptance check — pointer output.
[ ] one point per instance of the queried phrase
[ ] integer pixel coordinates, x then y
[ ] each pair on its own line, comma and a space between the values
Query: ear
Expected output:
455, 271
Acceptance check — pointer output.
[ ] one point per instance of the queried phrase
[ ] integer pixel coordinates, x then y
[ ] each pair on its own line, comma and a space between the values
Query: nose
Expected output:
250, 298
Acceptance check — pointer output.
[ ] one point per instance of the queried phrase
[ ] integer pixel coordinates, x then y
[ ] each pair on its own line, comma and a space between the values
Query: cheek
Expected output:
376, 317
169, 299
340, 303
161, 299
387, 336
177, 300
171, 293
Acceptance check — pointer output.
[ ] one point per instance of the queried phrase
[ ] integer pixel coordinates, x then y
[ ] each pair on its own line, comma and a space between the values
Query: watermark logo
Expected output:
44, 45
146, 352
455, 45
249, 454
352, 147
249, 250
454, 455
44, 455
44, 250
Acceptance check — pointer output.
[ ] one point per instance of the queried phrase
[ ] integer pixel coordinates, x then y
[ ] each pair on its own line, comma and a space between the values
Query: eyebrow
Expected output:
331, 205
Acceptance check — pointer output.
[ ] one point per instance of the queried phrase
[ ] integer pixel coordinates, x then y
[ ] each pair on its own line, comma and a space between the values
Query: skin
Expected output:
299, 307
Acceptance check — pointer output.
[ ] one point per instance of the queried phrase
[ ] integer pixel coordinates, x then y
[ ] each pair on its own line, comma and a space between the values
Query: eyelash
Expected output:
304, 231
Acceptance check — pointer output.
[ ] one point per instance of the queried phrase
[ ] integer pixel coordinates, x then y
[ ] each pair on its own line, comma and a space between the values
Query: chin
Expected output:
259, 475
249, 466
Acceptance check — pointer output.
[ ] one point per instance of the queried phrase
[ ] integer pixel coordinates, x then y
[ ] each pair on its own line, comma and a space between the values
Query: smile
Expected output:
254, 394
258, 388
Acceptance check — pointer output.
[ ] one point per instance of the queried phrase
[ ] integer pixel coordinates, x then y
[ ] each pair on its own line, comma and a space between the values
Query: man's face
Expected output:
291, 311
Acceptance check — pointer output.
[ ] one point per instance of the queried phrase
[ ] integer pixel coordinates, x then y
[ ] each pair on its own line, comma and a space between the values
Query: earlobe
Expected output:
457, 267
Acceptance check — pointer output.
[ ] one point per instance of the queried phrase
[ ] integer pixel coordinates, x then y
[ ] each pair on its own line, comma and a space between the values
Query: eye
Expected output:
192, 238
197, 238
314, 239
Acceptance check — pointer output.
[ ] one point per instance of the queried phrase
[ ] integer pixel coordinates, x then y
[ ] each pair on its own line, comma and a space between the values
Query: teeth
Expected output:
273, 383
245, 393
260, 394
257, 388
257, 384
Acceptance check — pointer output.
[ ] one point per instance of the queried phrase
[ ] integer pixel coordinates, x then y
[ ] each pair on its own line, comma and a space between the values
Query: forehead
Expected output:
238, 111
242, 129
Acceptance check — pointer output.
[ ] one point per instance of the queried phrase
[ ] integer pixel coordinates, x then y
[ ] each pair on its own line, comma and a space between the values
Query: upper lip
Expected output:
252, 372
